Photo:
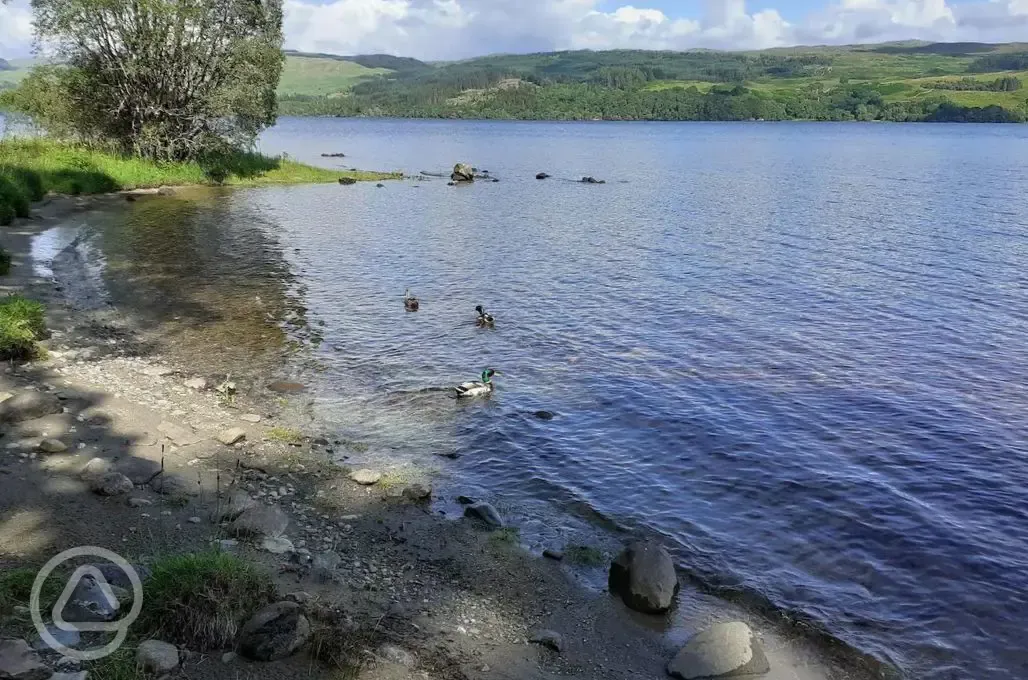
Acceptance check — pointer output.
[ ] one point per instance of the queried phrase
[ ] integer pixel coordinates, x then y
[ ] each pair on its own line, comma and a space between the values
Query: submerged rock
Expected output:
728, 650
552, 554
645, 578
486, 513
542, 175
275, 632
284, 387
544, 415
156, 657
592, 180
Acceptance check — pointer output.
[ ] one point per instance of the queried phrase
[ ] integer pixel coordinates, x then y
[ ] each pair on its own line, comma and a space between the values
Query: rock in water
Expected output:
366, 477
28, 405
592, 180
232, 436
19, 662
728, 650
552, 554
542, 175
284, 387
644, 575
417, 493
263, 521
156, 657
486, 513
547, 638
462, 172
274, 632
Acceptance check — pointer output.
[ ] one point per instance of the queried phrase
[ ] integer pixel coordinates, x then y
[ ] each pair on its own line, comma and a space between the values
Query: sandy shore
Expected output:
461, 599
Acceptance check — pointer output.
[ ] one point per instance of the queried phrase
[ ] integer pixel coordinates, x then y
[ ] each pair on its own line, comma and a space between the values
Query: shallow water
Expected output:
796, 351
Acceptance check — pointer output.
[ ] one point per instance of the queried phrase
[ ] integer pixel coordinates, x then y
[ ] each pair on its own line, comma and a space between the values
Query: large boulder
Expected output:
645, 578
262, 521
728, 650
462, 172
28, 405
274, 632
18, 661
485, 513
111, 484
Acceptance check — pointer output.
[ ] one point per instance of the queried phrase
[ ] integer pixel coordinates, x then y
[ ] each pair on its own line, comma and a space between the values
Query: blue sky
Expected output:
454, 29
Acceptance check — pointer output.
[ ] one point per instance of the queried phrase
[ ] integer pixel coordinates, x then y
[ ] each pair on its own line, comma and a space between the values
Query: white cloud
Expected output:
15, 29
451, 29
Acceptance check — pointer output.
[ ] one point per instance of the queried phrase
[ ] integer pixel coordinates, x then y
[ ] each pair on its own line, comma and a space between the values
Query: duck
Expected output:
410, 303
477, 388
485, 320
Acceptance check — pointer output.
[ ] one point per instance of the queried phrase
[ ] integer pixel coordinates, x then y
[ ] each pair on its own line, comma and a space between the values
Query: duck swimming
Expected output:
485, 320
410, 303
477, 388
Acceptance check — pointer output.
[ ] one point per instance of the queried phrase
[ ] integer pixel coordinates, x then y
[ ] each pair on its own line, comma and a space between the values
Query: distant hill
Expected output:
382, 61
895, 81
5, 66
322, 76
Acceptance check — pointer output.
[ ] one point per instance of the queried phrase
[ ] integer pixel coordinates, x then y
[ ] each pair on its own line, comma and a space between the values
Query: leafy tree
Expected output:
165, 79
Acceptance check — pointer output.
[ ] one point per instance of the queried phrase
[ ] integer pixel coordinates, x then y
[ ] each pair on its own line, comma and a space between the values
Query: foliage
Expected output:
200, 600
585, 555
29, 168
22, 325
284, 435
163, 79
1006, 84
1010, 61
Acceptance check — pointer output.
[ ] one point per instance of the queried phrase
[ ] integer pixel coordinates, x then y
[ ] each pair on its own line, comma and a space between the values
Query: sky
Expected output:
457, 29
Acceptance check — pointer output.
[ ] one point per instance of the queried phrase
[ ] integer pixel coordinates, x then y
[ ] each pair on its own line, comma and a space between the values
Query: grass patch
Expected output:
285, 435
585, 555
340, 648
505, 537
22, 325
201, 600
29, 168
121, 665
16, 590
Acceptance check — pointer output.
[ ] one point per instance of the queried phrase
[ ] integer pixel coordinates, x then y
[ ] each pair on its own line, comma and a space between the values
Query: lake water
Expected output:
796, 352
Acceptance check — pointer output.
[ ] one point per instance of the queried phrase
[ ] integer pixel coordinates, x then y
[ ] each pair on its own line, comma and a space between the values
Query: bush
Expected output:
200, 600
5, 262
22, 325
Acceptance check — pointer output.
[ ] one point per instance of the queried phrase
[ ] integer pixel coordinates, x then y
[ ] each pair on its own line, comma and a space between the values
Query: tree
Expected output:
165, 79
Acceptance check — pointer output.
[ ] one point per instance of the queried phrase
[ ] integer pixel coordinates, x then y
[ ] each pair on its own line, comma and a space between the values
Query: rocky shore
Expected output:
106, 443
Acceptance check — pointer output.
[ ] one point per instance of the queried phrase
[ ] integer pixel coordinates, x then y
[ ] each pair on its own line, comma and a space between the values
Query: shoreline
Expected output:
462, 599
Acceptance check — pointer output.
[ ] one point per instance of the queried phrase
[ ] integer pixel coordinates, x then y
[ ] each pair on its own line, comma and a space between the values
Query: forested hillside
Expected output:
899, 82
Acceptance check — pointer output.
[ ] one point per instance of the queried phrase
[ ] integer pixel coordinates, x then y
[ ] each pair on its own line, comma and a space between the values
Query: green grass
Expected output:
29, 168
319, 77
201, 600
284, 435
505, 537
22, 325
121, 665
585, 555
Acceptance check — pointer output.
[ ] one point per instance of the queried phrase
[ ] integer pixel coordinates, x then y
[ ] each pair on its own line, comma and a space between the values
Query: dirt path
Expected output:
462, 600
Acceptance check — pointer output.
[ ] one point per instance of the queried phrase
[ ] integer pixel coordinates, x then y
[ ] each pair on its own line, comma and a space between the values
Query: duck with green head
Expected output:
478, 388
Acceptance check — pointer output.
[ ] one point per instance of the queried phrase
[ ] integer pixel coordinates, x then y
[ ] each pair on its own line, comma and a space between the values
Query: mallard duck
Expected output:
410, 303
484, 319
477, 388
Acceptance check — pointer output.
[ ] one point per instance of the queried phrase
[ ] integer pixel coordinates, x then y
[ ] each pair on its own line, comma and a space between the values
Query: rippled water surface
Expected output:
797, 351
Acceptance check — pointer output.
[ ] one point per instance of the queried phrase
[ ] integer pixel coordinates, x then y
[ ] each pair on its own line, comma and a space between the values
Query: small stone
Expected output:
727, 650
198, 384
250, 418
194, 520
227, 544
97, 467
111, 484
486, 513
557, 555
181, 436
66, 663
366, 477
397, 655
77, 675
228, 657
417, 492
139, 502
277, 545
171, 485
299, 597
158, 371
275, 632
67, 638
233, 506
156, 657
327, 561
52, 446
232, 436
261, 521
547, 638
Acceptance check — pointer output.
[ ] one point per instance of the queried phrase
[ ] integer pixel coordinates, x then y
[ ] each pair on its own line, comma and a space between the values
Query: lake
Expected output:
797, 353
